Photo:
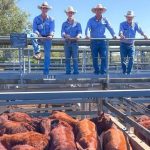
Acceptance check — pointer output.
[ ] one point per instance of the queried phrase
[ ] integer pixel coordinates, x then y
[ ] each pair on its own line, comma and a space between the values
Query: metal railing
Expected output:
85, 61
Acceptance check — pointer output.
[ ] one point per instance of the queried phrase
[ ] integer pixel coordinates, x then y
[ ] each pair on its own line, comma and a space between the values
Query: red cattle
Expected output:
19, 117
23, 147
62, 137
37, 140
2, 147
3, 118
102, 122
112, 138
45, 126
145, 122
64, 117
143, 118
23, 117
12, 127
87, 137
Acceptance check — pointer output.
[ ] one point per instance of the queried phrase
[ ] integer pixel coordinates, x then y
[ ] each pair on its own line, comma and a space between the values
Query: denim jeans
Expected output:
47, 48
127, 52
99, 48
71, 50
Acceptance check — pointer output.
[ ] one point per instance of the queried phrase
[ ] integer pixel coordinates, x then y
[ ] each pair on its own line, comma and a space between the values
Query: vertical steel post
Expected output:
29, 63
84, 61
24, 63
107, 63
20, 63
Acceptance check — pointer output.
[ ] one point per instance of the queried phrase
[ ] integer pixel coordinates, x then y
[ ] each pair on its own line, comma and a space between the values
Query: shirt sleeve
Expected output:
63, 30
88, 28
52, 27
110, 29
121, 30
79, 30
35, 26
139, 29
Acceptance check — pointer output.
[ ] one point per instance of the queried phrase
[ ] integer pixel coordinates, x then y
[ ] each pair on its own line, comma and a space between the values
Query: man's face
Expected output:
44, 10
129, 19
99, 12
70, 14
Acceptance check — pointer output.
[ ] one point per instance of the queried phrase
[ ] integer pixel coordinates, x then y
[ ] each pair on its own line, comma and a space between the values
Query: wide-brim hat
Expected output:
99, 6
130, 13
70, 9
44, 5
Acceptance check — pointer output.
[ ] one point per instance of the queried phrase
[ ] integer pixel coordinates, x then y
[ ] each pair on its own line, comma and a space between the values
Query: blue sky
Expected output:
115, 11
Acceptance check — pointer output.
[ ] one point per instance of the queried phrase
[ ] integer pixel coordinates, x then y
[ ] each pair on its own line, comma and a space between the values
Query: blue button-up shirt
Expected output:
71, 29
129, 31
97, 28
43, 27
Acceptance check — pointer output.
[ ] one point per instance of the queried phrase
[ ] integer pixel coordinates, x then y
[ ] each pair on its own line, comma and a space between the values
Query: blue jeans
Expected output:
71, 50
127, 51
47, 48
99, 47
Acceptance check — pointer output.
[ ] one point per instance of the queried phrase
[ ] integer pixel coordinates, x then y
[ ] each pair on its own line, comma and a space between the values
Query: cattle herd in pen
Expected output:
59, 131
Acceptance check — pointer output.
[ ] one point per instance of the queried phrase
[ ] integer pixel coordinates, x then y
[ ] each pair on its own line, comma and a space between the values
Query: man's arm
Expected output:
121, 30
79, 31
52, 29
110, 29
35, 27
88, 29
139, 30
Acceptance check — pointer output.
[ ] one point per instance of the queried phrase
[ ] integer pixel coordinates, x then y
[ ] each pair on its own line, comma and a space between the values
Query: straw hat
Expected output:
44, 5
70, 9
130, 13
99, 6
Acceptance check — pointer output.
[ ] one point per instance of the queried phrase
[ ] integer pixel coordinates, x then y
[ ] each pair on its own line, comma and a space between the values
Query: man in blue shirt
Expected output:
97, 26
43, 27
128, 29
71, 31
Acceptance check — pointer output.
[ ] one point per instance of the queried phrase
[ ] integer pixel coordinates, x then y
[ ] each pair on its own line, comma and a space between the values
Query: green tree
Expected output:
12, 18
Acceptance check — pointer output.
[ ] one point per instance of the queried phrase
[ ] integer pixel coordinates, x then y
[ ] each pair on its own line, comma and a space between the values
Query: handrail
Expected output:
73, 94
84, 42
86, 39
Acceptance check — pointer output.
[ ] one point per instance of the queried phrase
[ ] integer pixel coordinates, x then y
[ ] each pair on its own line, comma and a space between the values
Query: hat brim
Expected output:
129, 16
70, 11
49, 7
94, 9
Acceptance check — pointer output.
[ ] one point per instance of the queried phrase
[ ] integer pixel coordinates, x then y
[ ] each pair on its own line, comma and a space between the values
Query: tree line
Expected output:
12, 18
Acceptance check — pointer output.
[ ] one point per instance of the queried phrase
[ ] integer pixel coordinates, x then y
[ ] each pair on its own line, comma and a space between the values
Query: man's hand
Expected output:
145, 37
67, 37
115, 37
49, 37
87, 37
122, 36
41, 38
78, 37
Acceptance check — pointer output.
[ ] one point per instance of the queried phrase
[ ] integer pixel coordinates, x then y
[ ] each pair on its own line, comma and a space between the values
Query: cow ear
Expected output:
2, 131
102, 114
79, 147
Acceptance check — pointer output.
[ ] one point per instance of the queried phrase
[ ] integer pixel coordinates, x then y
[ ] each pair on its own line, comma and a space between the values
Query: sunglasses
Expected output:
70, 12
44, 8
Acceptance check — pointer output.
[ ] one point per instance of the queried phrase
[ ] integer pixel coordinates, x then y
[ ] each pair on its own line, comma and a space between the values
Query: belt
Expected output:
129, 44
70, 41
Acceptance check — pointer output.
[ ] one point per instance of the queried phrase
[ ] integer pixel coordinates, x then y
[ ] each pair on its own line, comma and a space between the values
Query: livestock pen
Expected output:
125, 98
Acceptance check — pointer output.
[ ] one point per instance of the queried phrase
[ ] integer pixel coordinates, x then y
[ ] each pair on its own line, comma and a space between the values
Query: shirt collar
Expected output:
74, 21
97, 19
131, 24
42, 18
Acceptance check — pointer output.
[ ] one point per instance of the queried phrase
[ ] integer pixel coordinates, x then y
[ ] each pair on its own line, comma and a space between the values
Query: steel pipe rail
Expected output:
81, 49
5, 40
73, 94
